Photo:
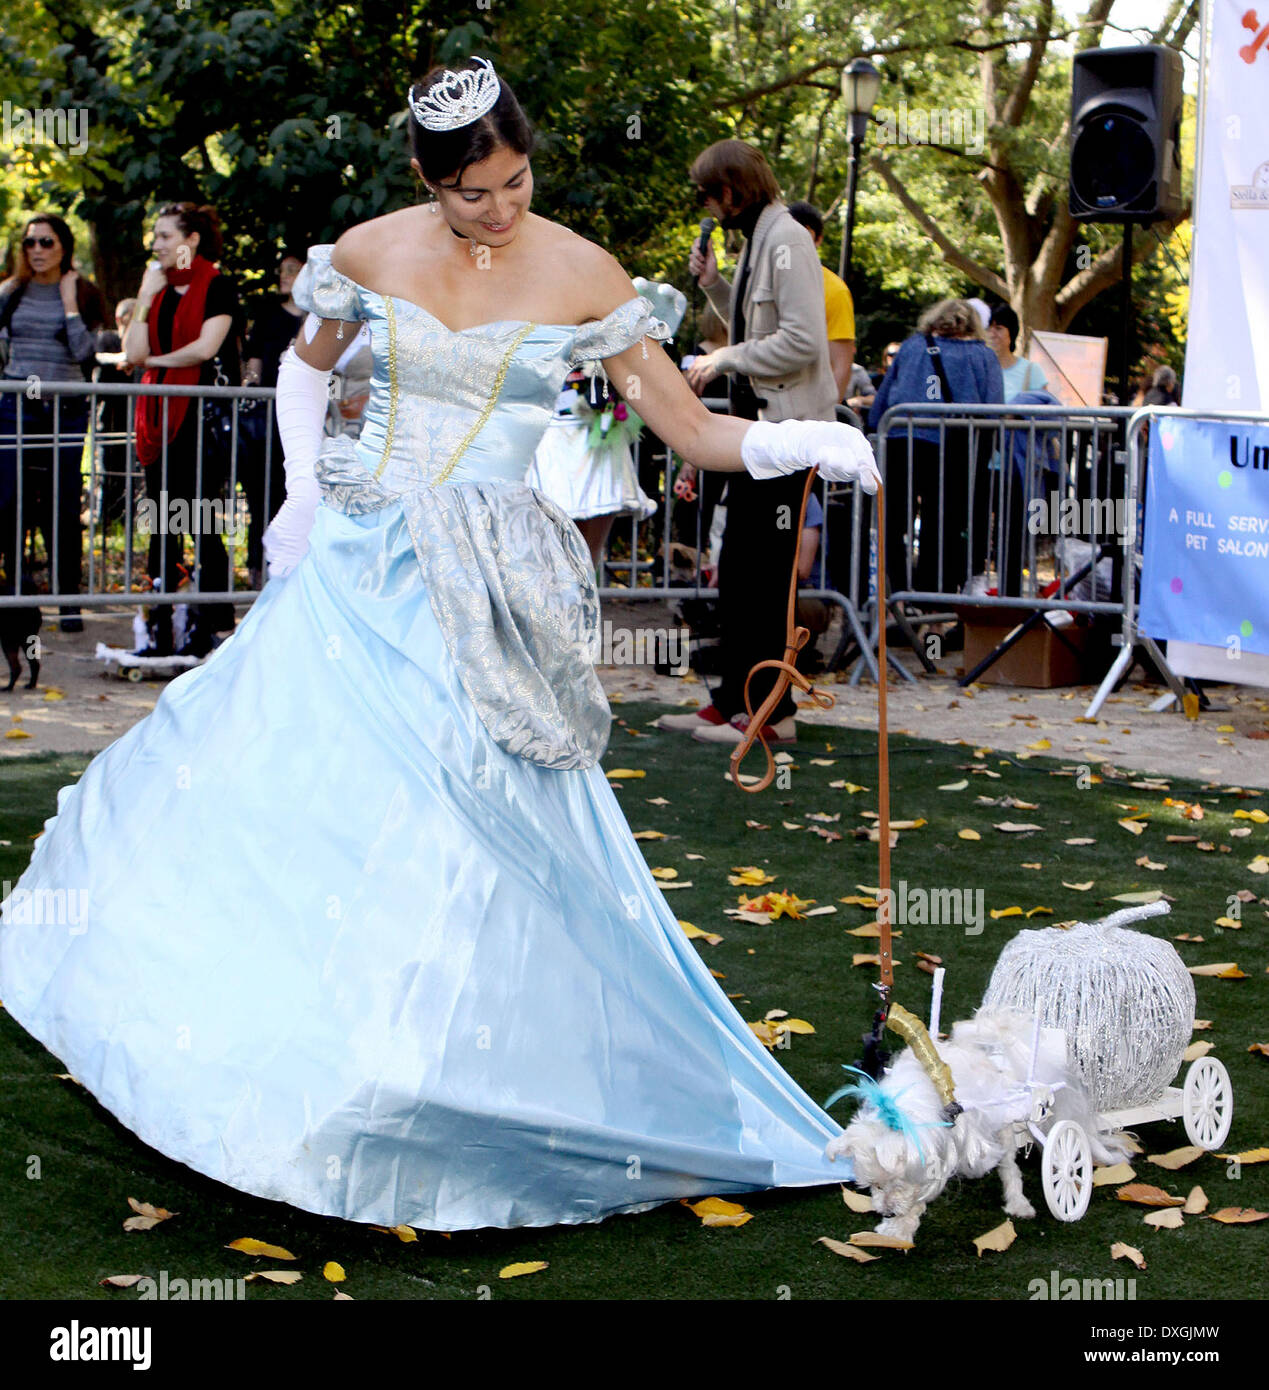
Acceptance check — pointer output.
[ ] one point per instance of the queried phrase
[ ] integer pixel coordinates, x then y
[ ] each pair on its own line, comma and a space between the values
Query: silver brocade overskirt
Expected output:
512, 588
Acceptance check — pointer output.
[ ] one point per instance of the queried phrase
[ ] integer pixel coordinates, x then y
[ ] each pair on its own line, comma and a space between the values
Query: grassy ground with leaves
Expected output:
63, 1232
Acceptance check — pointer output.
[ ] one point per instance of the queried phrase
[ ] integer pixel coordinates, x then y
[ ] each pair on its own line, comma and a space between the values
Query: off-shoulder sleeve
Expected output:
322, 290
615, 332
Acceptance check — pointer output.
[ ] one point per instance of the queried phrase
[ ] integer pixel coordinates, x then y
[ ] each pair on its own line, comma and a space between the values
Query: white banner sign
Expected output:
1227, 352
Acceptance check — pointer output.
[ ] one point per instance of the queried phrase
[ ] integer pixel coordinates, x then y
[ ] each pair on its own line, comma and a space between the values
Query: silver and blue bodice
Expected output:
450, 430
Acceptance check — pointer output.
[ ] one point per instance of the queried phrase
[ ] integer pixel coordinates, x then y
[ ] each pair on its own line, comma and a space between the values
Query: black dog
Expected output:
18, 629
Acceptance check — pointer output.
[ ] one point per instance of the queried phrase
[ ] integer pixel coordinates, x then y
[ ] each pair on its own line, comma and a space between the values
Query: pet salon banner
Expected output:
1205, 558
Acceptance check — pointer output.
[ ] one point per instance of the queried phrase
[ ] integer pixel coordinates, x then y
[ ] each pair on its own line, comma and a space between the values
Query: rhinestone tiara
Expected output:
457, 98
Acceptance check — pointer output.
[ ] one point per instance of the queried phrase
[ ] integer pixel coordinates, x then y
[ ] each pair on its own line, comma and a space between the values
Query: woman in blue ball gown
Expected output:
364, 929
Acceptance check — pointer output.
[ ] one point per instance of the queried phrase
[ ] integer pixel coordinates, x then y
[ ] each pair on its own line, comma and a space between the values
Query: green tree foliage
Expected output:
291, 120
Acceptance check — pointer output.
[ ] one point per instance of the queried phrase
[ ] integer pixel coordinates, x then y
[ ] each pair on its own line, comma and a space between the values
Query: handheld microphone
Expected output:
707, 230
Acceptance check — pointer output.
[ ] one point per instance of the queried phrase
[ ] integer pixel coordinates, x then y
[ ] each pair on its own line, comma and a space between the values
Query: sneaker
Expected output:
774, 734
695, 719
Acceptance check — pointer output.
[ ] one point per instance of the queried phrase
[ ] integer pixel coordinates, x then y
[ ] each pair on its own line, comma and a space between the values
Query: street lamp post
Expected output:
860, 85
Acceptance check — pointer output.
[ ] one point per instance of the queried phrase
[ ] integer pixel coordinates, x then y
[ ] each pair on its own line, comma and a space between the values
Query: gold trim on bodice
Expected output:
390, 313
480, 421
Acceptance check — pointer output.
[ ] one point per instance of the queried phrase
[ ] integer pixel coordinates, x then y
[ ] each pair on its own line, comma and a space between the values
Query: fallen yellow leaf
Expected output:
1167, 1220
248, 1246
714, 1206
749, 877
1249, 1156
1237, 1216
999, 1238
1148, 1196
1135, 827
274, 1276
333, 1272
1120, 1251
1113, 1173
852, 1252
856, 1201
1177, 1158
968, 835
665, 873
1224, 970
1196, 1050
875, 1238
1196, 1202
522, 1267
624, 773
1079, 887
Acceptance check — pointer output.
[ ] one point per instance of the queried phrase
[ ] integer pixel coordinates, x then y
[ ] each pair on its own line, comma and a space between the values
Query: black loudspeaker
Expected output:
1126, 134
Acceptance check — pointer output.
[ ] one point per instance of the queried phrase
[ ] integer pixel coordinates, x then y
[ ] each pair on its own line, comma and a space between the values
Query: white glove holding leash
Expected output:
772, 448
301, 414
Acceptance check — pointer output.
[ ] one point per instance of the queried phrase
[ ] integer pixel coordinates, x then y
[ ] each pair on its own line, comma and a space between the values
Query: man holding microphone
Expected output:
777, 364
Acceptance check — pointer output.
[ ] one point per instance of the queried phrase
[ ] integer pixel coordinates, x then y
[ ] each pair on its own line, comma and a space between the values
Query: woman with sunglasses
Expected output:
49, 314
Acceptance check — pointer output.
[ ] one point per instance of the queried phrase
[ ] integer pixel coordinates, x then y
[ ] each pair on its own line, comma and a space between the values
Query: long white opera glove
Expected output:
773, 448
301, 414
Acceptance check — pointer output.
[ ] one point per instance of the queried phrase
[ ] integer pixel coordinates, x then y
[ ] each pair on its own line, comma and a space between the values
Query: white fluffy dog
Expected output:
908, 1163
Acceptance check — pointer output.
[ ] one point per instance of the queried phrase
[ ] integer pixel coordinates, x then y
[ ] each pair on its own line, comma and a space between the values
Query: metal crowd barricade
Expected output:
135, 589
663, 588
223, 474
996, 482
1132, 639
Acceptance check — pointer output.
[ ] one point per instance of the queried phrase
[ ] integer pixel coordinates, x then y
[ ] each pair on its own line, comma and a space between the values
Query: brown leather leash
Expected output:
795, 639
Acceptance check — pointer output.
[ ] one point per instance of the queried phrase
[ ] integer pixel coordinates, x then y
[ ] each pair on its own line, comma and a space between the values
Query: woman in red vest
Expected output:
183, 333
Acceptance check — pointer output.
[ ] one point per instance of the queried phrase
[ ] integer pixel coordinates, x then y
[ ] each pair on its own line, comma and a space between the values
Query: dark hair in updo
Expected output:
444, 154
204, 220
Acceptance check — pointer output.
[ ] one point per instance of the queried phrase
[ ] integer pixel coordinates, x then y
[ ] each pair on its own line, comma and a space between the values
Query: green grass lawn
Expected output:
62, 1232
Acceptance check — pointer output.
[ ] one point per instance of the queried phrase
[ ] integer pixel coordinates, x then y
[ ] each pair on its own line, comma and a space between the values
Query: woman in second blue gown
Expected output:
360, 925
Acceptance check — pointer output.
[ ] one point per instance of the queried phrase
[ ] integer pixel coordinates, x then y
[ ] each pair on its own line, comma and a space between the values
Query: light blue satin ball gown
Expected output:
364, 929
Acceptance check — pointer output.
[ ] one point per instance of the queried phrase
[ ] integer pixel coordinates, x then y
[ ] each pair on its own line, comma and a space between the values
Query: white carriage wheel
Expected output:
1207, 1103
1066, 1167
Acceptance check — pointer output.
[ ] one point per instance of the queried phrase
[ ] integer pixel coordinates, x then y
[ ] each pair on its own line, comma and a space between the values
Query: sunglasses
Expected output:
47, 242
